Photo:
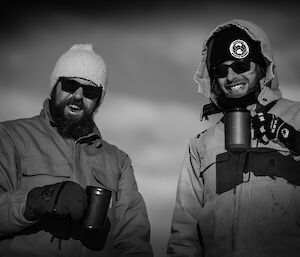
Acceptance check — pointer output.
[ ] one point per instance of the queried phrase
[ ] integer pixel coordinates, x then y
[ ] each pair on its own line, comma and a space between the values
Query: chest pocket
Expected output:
269, 162
104, 179
39, 171
229, 170
260, 161
110, 181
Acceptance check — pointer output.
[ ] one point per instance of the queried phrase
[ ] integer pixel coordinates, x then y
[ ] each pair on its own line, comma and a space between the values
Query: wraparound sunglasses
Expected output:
238, 67
70, 85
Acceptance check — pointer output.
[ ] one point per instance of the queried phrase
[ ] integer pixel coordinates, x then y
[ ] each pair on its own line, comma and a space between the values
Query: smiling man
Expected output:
242, 203
47, 162
236, 67
73, 103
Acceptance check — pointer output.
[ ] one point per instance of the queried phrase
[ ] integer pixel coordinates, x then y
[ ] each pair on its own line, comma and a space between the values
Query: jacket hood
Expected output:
268, 84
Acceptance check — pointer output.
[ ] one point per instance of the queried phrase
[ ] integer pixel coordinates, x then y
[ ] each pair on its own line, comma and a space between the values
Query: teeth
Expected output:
236, 87
74, 106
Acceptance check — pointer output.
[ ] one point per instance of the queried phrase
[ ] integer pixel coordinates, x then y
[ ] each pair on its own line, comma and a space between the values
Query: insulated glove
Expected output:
66, 198
270, 127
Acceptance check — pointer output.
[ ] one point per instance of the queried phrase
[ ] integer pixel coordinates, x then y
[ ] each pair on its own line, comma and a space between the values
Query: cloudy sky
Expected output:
152, 51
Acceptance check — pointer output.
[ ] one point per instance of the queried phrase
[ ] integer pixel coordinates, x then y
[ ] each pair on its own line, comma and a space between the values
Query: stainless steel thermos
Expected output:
237, 123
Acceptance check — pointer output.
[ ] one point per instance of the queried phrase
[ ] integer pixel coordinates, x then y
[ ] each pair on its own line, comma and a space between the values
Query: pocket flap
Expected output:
32, 166
223, 157
108, 180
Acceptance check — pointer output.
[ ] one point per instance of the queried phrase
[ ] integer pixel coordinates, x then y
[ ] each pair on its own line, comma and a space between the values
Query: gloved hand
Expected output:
66, 198
270, 127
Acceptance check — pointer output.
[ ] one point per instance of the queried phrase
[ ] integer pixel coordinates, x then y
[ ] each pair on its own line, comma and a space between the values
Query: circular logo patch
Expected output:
48, 193
285, 133
239, 49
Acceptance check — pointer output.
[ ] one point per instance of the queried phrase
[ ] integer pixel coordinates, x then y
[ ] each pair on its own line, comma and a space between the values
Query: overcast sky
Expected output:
152, 51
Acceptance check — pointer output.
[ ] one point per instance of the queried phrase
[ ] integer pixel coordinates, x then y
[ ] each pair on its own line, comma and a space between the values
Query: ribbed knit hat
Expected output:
81, 61
233, 43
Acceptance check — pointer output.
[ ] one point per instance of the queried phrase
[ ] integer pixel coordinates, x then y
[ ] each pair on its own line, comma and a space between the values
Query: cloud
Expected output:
155, 134
16, 104
290, 92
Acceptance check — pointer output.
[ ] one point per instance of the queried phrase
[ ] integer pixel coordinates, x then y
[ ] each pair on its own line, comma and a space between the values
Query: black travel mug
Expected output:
237, 123
98, 204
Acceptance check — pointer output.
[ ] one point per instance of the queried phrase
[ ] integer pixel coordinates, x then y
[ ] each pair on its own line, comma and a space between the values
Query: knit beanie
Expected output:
81, 61
233, 43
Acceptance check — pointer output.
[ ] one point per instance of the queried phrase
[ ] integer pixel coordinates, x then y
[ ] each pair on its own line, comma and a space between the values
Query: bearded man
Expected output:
48, 161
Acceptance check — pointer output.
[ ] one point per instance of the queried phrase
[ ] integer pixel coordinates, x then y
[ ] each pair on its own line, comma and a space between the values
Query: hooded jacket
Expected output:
33, 154
257, 213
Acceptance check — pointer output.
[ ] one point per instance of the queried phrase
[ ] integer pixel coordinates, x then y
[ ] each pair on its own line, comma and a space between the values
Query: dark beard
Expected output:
70, 126
226, 103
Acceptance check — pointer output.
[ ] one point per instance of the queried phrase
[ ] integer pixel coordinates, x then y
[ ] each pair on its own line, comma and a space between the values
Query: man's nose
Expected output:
231, 74
78, 93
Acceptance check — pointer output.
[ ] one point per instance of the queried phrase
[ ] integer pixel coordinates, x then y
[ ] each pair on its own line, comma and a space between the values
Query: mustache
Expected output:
236, 81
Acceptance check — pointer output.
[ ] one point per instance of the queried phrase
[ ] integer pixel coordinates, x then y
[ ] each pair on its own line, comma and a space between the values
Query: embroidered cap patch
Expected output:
239, 49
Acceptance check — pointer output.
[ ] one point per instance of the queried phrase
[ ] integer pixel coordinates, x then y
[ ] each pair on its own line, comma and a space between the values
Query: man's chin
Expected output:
236, 94
74, 127
74, 124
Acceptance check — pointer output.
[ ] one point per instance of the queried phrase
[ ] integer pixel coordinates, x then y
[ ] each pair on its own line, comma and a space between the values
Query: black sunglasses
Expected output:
71, 86
238, 67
